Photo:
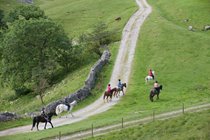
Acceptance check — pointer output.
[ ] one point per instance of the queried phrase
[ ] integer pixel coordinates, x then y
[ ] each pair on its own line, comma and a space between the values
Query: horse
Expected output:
41, 118
109, 94
65, 107
149, 78
152, 92
120, 89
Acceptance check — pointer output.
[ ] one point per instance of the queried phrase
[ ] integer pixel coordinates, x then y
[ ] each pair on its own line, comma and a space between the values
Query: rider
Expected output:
151, 74
119, 84
156, 86
109, 88
44, 114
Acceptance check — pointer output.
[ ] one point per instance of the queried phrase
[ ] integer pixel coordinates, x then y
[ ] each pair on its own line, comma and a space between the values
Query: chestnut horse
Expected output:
109, 94
154, 92
120, 89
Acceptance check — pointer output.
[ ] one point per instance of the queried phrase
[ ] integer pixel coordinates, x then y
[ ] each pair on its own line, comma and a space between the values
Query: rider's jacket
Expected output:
109, 88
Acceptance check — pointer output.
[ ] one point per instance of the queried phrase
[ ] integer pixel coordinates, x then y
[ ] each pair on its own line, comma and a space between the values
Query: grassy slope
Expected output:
179, 57
78, 16
75, 80
191, 126
181, 61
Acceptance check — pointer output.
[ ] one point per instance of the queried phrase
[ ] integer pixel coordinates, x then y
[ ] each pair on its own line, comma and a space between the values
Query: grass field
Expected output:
191, 126
180, 59
71, 22
57, 10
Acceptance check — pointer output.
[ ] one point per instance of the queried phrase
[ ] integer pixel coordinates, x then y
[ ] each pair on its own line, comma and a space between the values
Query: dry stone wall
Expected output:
84, 91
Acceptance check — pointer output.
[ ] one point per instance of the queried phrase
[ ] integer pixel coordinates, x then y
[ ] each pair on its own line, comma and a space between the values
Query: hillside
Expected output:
179, 57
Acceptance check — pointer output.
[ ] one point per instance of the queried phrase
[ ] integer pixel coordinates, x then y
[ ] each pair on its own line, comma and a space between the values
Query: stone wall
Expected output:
84, 91
79, 95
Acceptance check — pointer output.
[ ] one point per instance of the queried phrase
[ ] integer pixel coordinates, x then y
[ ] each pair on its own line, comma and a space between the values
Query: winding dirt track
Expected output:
122, 67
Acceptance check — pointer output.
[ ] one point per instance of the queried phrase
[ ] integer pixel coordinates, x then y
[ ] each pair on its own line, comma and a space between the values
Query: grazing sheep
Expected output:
190, 28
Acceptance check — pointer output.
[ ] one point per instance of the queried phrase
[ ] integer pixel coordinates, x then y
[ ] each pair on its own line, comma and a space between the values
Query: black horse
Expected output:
41, 118
154, 92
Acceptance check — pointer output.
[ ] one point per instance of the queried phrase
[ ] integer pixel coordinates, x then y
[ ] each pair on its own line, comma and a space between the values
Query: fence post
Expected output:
153, 115
183, 108
59, 136
92, 130
122, 122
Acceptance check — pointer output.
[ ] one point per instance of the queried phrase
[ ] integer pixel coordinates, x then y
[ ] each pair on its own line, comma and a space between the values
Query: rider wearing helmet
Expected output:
119, 84
151, 74
43, 114
156, 86
109, 88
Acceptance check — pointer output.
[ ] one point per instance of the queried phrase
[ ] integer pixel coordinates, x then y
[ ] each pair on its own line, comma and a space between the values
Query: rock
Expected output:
7, 116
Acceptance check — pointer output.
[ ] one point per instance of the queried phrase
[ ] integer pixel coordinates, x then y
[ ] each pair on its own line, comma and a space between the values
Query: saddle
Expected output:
155, 91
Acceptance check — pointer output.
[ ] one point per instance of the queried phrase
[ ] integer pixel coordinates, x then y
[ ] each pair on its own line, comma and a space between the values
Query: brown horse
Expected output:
154, 92
120, 89
42, 119
109, 94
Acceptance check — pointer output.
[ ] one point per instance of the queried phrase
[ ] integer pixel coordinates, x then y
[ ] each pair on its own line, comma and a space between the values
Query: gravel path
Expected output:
121, 70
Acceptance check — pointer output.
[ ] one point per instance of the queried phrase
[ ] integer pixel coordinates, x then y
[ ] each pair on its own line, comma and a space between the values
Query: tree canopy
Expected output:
26, 11
32, 51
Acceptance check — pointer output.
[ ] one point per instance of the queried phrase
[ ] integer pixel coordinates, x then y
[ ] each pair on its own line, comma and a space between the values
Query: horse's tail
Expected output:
146, 80
57, 110
34, 122
104, 95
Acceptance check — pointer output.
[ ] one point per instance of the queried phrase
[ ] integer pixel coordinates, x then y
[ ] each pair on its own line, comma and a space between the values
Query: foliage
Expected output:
32, 51
26, 11
98, 39
2, 23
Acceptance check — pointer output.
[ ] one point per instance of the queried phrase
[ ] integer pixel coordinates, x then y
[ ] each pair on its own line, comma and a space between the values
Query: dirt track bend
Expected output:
122, 67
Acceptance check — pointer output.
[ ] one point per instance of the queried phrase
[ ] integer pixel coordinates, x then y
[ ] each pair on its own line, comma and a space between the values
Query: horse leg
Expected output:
157, 96
45, 125
151, 97
37, 126
33, 125
51, 124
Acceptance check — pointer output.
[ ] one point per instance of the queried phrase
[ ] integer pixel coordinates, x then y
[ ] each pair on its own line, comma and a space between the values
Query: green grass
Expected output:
57, 10
180, 59
191, 126
79, 16
7, 5
75, 80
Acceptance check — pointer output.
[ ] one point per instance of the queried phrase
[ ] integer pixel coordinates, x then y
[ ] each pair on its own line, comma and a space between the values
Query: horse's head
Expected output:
161, 87
73, 103
124, 85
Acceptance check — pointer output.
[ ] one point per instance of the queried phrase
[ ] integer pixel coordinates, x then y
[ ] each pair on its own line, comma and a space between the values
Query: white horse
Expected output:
65, 107
149, 78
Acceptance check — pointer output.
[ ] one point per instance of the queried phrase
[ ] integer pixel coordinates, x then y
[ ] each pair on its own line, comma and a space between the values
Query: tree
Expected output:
98, 38
32, 51
2, 24
26, 11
